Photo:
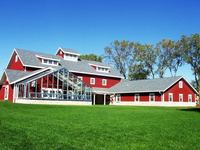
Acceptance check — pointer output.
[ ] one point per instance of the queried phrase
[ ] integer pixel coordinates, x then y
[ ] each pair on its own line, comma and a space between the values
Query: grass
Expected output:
98, 127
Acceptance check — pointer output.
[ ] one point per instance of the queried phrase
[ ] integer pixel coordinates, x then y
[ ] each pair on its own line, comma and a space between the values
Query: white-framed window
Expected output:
180, 84
50, 62
80, 78
151, 97
102, 69
137, 97
189, 97
104, 82
16, 58
92, 81
118, 98
180, 97
170, 97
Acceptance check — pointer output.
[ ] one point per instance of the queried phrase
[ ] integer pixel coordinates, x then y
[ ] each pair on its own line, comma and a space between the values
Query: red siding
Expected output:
144, 97
60, 53
98, 80
1, 92
15, 65
176, 91
10, 94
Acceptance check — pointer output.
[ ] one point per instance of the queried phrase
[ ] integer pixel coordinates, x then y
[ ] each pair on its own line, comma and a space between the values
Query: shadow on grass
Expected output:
196, 109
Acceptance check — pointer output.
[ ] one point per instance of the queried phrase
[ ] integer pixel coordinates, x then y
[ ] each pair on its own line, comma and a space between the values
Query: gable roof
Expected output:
142, 86
68, 50
14, 75
29, 58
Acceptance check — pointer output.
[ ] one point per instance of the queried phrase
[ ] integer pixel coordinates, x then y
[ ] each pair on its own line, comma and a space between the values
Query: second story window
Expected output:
92, 81
104, 82
180, 84
16, 58
50, 62
102, 69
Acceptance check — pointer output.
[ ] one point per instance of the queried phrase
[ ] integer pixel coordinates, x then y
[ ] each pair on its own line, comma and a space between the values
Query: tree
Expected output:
91, 57
118, 53
138, 72
170, 57
191, 47
146, 55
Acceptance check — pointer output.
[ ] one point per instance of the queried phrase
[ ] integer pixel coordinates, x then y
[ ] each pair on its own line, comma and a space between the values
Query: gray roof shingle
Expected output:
29, 59
14, 75
69, 50
140, 86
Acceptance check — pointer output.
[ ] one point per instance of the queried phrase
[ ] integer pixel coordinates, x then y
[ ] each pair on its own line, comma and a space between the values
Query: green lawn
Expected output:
98, 127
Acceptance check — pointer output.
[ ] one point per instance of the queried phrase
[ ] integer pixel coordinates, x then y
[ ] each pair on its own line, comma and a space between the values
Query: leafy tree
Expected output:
146, 55
118, 53
91, 57
191, 47
138, 72
170, 57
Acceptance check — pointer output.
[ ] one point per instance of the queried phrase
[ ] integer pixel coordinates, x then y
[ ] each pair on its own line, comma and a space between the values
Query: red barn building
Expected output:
34, 77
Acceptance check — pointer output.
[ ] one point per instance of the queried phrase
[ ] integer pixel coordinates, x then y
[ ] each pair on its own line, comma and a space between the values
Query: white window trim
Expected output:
6, 95
92, 81
189, 97
180, 84
179, 97
57, 63
16, 58
136, 96
152, 94
118, 98
104, 82
169, 97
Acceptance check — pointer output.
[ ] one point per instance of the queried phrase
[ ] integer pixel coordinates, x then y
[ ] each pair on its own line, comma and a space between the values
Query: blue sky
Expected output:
90, 25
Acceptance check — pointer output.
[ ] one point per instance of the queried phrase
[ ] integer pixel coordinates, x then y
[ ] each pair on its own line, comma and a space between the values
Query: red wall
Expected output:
10, 94
1, 93
98, 80
60, 54
176, 91
144, 97
15, 65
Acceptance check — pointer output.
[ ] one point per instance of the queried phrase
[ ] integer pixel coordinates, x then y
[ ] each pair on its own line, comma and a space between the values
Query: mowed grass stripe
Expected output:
98, 127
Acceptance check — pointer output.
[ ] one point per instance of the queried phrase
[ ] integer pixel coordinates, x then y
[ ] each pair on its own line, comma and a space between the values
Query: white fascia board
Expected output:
96, 74
136, 92
28, 76
14, 50
99, 65
47, 58
66, 52
179, 80
6, 76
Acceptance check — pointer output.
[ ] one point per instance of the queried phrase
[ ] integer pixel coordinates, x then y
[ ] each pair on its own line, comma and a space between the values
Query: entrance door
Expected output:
6, 88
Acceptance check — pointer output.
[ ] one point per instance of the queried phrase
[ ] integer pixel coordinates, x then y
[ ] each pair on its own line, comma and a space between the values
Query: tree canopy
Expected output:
140, 61
91, 57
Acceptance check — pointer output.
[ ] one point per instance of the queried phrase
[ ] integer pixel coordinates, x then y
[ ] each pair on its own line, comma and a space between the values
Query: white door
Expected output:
6, 91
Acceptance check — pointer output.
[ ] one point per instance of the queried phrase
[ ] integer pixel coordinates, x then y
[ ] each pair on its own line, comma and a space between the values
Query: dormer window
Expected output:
69, 54
102, 69
48, 61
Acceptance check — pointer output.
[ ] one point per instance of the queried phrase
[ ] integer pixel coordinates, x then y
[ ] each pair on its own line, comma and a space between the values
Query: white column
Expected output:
104, 99
25, 90
94, 99
163, 97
